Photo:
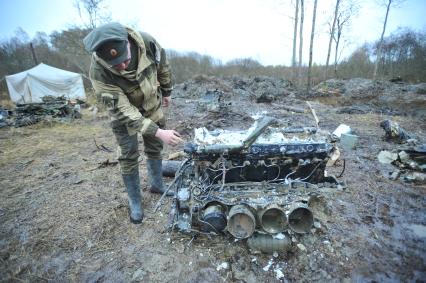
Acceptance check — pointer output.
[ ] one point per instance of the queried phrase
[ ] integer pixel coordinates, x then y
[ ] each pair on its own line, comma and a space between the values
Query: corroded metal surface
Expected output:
249, 182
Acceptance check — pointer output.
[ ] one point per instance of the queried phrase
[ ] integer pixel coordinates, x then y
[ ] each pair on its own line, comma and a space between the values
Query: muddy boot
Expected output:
132, 183
154, 167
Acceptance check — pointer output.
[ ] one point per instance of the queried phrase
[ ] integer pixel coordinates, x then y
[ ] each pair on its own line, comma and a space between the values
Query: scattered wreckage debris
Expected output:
393, 132
334, 156
256, 184
213, 101
266, 90
340, 130
170, 167
4, 115
344, 134
411, 160
408, 157
292, 109
415, 177
26, 114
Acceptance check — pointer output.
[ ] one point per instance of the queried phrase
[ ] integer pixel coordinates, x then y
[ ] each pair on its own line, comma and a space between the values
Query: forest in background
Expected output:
402, 54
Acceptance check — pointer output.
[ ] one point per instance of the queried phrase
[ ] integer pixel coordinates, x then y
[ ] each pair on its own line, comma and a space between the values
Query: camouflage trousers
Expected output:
128, 146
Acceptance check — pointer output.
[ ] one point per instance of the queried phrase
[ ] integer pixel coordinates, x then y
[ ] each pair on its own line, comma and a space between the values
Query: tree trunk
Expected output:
34, 55
296, 17
302, 15
336, 10
379, 49
336, 51
311, 46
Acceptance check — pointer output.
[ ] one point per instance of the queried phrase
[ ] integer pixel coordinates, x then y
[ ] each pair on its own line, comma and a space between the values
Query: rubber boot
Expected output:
155, 176
132, 183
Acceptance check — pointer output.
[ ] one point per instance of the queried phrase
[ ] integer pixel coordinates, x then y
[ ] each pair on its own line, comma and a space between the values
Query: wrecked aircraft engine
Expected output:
252, 184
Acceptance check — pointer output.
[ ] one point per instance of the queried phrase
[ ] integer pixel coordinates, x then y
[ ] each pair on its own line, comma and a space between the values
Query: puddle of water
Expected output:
419, 230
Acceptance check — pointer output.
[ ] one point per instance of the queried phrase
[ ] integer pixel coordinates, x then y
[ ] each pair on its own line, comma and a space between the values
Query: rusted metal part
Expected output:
395, 132
170, 167
251, 182
241, 221
269, 244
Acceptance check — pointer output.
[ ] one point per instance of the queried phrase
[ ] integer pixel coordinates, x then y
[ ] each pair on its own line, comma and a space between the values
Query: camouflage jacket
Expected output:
134, 97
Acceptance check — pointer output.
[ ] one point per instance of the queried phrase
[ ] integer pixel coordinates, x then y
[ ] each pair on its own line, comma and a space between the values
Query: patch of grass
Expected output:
7, 103
44, 139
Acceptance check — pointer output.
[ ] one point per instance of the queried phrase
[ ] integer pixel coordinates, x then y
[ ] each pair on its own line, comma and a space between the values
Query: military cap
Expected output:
109, 41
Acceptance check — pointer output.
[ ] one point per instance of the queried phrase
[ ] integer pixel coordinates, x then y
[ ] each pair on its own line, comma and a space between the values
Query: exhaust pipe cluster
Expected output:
242, 220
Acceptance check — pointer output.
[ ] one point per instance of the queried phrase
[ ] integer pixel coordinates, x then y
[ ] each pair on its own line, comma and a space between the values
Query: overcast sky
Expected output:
223, 29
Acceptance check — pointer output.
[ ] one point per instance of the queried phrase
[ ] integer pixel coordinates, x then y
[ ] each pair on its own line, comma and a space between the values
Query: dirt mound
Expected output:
259, 88
384, 96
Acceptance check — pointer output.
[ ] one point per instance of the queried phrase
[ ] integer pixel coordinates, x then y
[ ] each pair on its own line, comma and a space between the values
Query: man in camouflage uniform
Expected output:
131, 76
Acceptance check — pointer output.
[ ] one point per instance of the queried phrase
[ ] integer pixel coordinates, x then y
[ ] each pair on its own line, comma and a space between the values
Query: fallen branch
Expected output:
293, 109
104, 164
101, 147
313, 113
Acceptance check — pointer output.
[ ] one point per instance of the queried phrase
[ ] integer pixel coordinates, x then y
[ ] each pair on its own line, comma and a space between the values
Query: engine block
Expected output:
251, 184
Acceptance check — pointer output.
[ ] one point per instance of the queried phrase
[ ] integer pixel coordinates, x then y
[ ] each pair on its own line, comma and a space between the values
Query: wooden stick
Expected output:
313, 113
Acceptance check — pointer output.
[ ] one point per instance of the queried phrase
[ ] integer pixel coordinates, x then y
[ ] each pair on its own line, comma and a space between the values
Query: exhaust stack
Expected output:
300, 218
273, 219
241, 222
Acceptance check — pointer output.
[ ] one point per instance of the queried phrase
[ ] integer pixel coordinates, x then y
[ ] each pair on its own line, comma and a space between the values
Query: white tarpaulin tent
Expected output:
31, 85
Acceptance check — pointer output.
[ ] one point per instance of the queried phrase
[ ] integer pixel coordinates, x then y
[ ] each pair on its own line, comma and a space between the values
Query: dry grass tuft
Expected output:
7, 103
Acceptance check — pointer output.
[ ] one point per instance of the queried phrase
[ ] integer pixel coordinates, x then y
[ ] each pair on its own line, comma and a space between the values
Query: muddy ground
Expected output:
63, 208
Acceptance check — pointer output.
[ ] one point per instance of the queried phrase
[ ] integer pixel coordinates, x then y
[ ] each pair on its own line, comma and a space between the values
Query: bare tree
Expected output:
358, 64
388, 4
347, 10
302, 16
15, 56
404, 54
332, 29
311, 46
296, 17
381, 39
34, 54
342, 21
95, 11
69, 43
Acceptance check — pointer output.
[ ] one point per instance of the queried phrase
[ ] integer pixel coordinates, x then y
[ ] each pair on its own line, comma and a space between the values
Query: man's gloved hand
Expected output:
170, 137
